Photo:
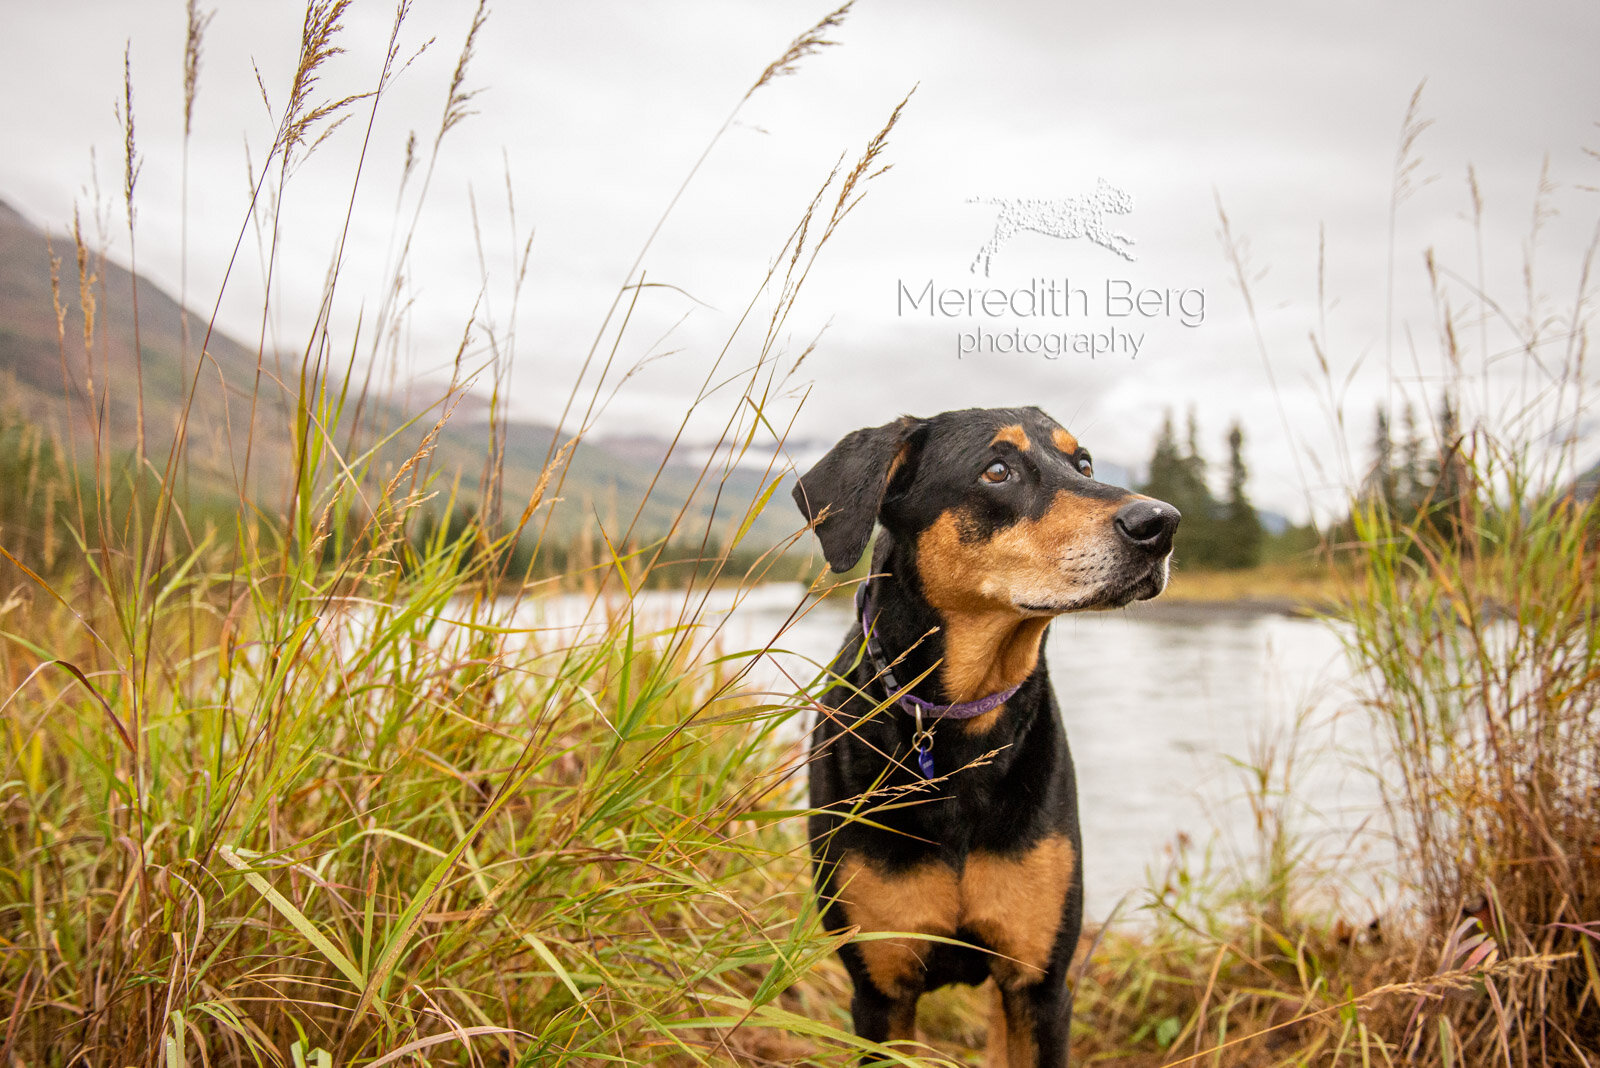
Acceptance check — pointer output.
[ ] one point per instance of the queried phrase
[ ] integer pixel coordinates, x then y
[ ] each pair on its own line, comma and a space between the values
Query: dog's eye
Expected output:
996, 472
1086, 465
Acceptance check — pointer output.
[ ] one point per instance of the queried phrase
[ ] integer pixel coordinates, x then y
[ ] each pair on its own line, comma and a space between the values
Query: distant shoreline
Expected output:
1181, 610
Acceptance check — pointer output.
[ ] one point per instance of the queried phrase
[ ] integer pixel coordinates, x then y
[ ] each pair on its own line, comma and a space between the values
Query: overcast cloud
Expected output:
592, 114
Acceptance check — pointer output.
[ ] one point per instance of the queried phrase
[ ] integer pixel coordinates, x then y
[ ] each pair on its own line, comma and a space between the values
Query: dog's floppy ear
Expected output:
841, 494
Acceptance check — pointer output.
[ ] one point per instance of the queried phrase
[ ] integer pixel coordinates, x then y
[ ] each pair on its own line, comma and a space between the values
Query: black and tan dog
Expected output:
993, 525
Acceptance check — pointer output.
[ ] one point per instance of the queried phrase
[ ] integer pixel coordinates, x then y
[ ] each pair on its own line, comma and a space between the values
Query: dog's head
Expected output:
1000, 508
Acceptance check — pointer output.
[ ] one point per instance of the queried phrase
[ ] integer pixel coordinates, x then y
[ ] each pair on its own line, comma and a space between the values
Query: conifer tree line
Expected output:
1418, 474
1415, 479
1217, 532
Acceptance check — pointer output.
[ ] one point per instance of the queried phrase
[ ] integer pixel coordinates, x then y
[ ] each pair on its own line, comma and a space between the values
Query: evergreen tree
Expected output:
1411, 487
1199, 507
1240, 534
1382, 481
1166, 476
1447, 468
1178, 477
1448, 471
1194, 466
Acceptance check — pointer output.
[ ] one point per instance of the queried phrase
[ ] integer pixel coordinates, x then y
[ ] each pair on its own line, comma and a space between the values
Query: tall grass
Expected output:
1482, 640
311, 782
1471, 619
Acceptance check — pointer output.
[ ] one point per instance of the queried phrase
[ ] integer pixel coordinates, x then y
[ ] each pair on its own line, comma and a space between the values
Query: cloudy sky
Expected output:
589, 117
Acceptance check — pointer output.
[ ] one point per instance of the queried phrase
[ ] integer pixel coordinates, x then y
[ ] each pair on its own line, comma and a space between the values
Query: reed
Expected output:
1470, 614
293, 776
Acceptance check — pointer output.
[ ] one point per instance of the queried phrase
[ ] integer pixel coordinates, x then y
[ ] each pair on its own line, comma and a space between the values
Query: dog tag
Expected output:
922, 742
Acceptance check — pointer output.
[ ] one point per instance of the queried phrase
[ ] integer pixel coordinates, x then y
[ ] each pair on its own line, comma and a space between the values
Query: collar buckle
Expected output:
922, 739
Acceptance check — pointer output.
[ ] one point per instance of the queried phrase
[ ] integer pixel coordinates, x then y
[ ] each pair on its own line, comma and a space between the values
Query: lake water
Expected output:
1159, 704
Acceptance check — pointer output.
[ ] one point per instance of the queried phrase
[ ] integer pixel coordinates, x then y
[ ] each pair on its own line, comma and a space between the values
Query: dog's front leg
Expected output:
883, 1018
890, 973
1029, 1026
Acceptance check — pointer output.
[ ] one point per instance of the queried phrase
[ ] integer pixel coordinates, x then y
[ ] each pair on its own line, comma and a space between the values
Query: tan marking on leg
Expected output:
925, 899
1015, 435
1021, 1049
994, 1051
1014, 904
1064, 441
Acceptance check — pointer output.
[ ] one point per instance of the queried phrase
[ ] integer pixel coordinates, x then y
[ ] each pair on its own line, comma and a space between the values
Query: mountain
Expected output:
1586, 485
62, 381
1274, 523
52, 378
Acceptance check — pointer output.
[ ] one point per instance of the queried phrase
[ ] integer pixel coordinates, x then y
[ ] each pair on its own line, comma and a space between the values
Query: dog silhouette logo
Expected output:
1066, 218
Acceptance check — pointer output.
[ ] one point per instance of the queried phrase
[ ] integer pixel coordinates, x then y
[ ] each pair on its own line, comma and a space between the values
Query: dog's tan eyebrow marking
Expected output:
1064, 441
1013, 434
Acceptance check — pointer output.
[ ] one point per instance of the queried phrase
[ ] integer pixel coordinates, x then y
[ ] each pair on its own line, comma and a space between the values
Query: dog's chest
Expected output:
1012, 902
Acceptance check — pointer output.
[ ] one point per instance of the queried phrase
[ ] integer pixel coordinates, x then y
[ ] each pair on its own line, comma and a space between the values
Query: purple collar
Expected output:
909, 702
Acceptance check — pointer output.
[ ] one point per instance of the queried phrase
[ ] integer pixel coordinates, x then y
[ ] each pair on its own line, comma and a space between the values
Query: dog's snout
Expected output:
1148, 524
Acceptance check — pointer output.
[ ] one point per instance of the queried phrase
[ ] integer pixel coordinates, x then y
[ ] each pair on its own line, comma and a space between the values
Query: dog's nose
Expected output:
1148, 524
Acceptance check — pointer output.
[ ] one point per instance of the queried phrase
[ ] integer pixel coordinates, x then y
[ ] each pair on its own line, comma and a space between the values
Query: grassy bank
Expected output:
1308, 585
288, 786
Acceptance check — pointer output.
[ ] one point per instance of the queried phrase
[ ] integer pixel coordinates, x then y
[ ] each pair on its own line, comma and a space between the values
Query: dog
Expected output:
941, 707
1083, 216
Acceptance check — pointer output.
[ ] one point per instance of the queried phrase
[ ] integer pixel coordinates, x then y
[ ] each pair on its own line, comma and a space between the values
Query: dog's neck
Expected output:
964, 654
